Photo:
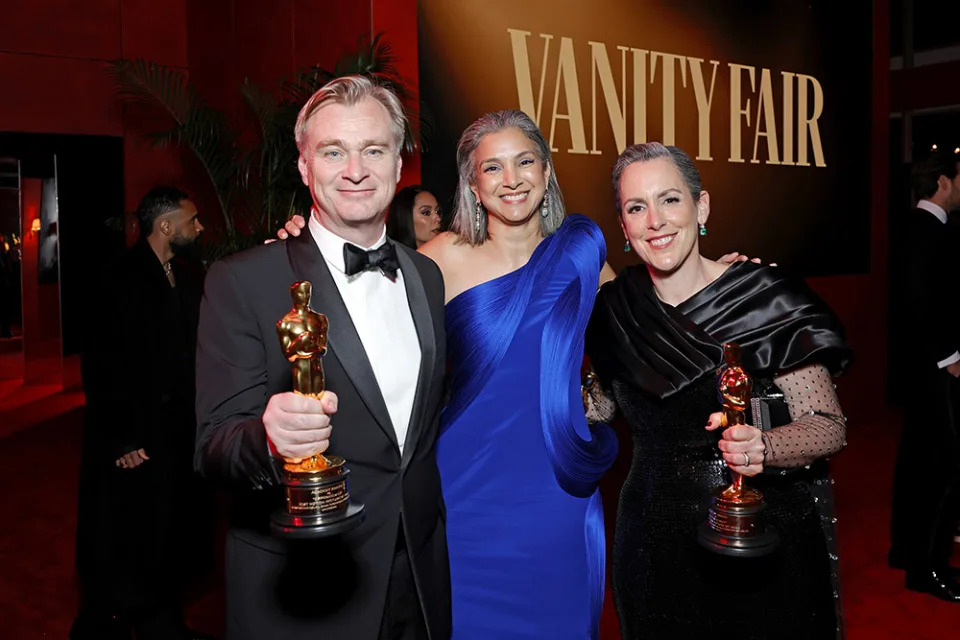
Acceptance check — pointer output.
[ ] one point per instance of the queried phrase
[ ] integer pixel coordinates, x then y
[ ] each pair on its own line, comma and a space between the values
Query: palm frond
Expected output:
372, 58
305, 83
195, 124
164, 139
262, 104
258, 186
153, 84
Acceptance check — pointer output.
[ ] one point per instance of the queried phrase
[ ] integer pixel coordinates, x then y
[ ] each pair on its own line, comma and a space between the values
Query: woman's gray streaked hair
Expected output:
651, 151
464, 212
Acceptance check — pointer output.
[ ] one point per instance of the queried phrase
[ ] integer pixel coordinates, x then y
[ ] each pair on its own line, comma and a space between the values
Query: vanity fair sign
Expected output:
772, 100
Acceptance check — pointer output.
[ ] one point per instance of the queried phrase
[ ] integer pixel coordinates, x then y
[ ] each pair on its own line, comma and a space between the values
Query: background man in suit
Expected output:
926, 494
142, 509
389, 577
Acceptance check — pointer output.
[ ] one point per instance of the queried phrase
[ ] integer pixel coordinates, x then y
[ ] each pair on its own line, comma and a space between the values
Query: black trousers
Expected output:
926, 484
402, 613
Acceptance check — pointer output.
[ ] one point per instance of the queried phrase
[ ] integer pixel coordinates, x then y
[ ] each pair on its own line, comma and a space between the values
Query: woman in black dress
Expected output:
655, 342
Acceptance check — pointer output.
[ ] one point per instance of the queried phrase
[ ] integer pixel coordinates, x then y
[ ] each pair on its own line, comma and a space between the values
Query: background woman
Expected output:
655, 341
414, 216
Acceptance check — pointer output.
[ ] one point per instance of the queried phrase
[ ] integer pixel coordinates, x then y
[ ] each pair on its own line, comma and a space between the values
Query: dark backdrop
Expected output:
815, 220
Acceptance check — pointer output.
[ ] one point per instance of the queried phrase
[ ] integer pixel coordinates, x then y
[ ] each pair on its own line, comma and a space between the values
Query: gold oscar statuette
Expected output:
735, 524
317, 496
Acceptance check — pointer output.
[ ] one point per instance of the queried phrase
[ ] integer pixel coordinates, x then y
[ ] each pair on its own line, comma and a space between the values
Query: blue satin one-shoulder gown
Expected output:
518, 463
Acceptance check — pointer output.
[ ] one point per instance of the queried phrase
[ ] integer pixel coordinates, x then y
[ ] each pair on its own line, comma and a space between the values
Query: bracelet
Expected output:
586, 385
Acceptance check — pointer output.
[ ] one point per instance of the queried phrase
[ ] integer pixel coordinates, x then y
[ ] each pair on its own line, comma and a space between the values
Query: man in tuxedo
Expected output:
141, 515
385, 361
926, 493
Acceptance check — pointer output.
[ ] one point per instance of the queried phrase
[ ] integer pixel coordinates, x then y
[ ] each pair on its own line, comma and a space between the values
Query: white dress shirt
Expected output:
941, 215
381, 314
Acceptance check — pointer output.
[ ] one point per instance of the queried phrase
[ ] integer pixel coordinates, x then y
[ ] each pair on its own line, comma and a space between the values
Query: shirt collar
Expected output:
933, 208
331, 245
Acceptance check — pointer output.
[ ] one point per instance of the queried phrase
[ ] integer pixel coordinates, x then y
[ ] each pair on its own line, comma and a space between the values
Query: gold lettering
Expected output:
787, 118
521, 69
767, 126
809, 125
736, 111
704, 101
567, 74
618, 113
669, 91
639, 95
802, 106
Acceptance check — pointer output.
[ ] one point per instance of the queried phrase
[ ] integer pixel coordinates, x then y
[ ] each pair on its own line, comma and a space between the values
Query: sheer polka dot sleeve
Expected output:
818, 429
598, 404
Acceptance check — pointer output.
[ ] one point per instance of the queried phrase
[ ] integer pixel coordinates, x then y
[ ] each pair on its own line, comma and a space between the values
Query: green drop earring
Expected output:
626, 246
703, 229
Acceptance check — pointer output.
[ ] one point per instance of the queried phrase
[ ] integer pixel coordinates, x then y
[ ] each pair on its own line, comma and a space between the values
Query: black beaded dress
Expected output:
660, 362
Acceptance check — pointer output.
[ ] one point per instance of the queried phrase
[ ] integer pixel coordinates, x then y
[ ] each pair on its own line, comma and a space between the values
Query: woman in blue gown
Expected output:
519, 464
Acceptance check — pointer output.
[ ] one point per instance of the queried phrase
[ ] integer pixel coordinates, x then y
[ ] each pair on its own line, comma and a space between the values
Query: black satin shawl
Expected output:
778, 321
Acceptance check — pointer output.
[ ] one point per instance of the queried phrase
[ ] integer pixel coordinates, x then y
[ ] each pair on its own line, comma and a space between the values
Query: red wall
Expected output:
55, 52
30, 198
53, 70
41, 301
398, 20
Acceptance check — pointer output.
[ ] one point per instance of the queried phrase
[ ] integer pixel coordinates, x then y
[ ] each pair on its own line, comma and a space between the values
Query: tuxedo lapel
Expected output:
343, 340
420, 310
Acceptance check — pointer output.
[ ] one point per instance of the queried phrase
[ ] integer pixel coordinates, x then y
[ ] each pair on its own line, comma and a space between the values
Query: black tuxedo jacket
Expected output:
926, 272
925, 306
331, 588
137, 362
137, 369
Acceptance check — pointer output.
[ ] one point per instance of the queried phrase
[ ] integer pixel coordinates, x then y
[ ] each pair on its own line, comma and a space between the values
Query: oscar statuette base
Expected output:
736, 527
317, 502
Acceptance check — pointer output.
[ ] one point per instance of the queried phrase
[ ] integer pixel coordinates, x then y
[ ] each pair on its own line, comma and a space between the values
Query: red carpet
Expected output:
38, 476
876, 604
38, 492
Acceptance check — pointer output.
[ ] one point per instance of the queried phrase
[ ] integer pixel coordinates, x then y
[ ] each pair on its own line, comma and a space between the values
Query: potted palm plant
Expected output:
257, 185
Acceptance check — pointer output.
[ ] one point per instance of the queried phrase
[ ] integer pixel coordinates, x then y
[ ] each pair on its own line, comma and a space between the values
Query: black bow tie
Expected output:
356, 259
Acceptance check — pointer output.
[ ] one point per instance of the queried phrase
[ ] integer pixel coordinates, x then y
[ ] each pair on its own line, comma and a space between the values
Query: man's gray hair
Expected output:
348, 91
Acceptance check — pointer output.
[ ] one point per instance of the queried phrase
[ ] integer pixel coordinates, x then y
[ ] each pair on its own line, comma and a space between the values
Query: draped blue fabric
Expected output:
518, 462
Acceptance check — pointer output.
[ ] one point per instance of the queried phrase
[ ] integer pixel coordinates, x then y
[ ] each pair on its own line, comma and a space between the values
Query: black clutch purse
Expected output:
768, 408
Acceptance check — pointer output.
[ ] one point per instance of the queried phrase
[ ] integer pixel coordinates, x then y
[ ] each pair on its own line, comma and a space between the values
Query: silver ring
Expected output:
746, 459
